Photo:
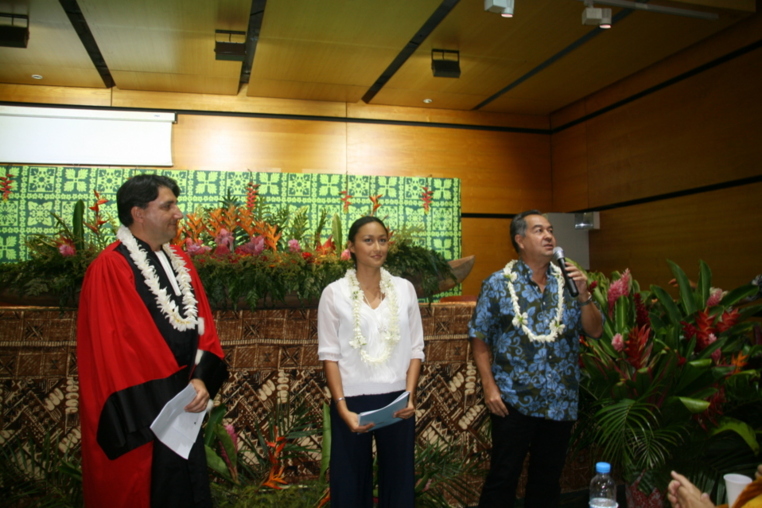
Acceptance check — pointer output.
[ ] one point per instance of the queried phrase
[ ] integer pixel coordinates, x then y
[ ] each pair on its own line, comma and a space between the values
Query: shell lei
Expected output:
166, 305
391, 335
521, 319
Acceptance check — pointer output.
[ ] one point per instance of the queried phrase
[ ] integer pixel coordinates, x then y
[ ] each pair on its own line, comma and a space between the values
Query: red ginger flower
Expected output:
641, 313
618, 289
636, 348
728, 319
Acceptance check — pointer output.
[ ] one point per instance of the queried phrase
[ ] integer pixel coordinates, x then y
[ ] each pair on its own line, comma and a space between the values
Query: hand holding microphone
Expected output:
558, 257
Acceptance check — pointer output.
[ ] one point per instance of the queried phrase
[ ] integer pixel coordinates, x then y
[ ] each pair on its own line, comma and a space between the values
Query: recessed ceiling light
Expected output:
36, 76
428, 101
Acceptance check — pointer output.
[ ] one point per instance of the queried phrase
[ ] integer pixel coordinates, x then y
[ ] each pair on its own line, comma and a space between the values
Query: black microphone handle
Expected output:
570, 285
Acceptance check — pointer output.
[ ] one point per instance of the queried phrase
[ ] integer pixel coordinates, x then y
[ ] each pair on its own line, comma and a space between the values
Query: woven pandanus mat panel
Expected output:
272, 354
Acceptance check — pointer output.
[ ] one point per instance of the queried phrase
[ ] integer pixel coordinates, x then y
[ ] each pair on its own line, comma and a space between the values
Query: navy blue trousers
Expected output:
514, 436
351, 473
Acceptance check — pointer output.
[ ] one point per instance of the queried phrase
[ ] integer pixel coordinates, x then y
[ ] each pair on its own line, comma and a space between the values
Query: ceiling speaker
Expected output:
234, 51
14, 36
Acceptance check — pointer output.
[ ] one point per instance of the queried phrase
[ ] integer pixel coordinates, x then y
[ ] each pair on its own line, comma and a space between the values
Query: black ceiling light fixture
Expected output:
12, 35
445, 63
229, 49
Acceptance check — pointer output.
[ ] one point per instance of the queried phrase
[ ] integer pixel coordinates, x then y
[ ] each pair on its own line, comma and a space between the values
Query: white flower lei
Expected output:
520, 319
391, 335
167, 306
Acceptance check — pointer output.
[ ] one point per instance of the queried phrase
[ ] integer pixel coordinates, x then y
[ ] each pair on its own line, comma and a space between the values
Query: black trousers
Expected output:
351, 473
514, 436
177, 482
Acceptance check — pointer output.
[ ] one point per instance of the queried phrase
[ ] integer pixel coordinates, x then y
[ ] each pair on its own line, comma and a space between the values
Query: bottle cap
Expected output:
602, 467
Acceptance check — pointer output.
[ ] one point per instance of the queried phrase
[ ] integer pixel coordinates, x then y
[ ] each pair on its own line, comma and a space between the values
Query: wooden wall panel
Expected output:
501, 172
570, 185
701, 131
239, 143
489, 240
723, 227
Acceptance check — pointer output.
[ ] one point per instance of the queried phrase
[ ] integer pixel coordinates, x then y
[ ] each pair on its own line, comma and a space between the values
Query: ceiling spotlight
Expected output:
502, 7
428, 101
596, 16
445, 63
36, 76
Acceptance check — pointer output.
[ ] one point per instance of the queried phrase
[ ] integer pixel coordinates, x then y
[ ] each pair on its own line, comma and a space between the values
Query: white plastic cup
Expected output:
734, 485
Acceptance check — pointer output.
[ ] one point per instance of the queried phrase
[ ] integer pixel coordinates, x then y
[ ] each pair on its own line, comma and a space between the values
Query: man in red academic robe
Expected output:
145, 330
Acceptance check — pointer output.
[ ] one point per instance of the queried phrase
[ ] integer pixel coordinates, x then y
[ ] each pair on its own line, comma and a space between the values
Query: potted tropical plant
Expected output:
656, 385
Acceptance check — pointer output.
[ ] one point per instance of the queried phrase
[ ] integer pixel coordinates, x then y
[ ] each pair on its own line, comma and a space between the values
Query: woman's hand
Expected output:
407, 412
352, 420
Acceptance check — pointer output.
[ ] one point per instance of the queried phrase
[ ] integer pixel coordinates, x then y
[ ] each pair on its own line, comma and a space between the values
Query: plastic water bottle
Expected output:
603, 487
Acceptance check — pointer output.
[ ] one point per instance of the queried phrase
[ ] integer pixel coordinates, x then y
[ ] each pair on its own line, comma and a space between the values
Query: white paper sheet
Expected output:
177, 428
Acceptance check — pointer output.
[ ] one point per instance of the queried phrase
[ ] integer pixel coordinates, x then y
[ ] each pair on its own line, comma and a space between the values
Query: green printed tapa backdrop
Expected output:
28, 195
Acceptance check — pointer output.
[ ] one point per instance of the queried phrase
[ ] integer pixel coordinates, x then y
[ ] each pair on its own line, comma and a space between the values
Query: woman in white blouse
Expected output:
370, 339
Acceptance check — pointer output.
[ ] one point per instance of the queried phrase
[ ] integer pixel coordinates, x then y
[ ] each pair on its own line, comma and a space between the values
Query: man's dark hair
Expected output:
355, 228
139, 191
519, 226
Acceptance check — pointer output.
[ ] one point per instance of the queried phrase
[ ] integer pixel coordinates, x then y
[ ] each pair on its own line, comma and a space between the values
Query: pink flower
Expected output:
618, 342
195, 248
254, 247
224, 238
618, 289
714, 298
67, 250
346, 255
293, 245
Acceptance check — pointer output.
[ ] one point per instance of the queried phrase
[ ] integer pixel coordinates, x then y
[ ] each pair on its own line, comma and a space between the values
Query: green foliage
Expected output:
659, 385
39, 475
232, 279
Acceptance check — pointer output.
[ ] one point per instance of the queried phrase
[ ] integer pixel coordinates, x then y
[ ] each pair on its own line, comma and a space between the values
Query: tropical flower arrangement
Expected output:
669, 380
246, 254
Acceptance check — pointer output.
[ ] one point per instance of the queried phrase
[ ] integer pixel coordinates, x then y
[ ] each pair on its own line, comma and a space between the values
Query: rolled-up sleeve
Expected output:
329, 347
416, 324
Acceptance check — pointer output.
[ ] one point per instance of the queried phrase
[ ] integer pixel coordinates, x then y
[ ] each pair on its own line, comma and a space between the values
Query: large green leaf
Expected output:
78, 228
743, 429
694, 405
216, 463
338, 239
704, 284
215, 419
684, 285
738, 294
325, 459
673, 312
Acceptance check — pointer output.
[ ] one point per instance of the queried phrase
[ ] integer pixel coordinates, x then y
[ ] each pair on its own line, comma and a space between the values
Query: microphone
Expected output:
558, 257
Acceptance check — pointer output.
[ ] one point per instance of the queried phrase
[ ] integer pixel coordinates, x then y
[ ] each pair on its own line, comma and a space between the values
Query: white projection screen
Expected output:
36, 135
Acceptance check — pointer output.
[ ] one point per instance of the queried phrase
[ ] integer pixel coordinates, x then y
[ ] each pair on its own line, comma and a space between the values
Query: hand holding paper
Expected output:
385, 416
176, 427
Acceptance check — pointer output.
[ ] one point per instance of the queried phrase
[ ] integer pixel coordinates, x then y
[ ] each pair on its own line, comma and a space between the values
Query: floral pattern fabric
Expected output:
539, 379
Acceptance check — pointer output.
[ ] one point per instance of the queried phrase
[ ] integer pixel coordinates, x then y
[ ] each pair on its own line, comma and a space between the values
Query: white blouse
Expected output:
335, 331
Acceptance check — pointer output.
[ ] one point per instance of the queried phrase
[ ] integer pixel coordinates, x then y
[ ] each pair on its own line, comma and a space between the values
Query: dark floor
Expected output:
579, 499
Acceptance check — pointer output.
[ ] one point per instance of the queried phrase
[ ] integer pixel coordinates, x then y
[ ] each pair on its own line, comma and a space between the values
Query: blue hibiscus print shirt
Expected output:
537, 378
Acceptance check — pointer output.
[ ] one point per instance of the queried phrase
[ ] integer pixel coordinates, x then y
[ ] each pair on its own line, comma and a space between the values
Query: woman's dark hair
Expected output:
519, 226
139, 191
355, 228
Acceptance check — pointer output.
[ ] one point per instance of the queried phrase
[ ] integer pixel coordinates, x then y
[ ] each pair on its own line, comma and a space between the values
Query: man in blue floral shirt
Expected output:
525, 338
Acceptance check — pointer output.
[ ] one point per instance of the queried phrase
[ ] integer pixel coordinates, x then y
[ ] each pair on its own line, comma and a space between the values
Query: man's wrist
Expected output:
587, 300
